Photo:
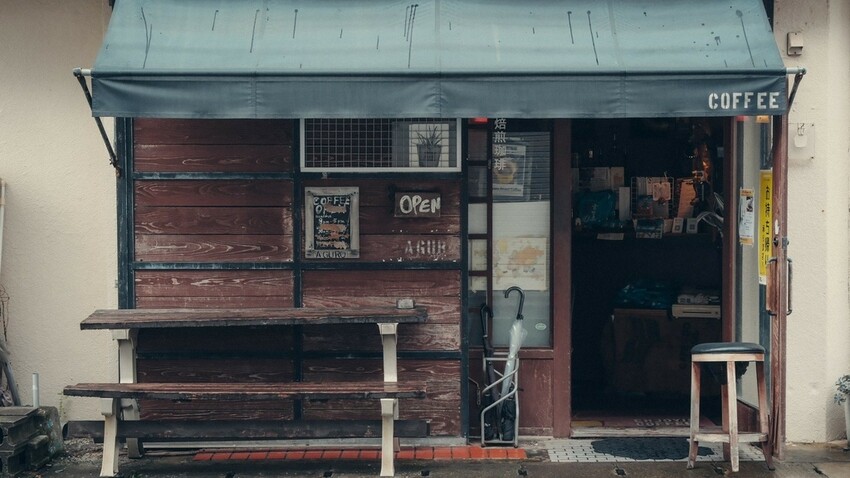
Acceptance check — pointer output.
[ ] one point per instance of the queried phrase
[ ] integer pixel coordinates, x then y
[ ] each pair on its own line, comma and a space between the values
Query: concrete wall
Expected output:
819, 328
59, 242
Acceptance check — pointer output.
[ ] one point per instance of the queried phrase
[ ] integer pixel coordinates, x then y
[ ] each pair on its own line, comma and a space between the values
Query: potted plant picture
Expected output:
429, 146
842, 397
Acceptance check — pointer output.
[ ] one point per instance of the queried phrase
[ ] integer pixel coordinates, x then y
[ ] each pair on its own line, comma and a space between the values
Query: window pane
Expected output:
521, 234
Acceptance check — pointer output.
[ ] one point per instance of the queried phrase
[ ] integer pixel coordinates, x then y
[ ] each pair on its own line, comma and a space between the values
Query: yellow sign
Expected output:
765, 233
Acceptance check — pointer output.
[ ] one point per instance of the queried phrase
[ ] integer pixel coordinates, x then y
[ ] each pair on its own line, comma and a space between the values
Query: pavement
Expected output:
81, 458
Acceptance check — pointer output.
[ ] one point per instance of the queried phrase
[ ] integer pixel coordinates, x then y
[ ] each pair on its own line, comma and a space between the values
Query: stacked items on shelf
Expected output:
696, 303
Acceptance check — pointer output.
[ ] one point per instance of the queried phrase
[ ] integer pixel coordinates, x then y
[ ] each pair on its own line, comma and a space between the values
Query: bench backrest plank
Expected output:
159, 318
249, 391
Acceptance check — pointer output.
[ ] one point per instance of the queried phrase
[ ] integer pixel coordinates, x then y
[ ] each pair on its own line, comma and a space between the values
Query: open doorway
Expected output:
647, 267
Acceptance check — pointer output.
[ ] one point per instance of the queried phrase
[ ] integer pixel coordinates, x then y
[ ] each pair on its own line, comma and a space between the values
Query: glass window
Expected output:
521, 228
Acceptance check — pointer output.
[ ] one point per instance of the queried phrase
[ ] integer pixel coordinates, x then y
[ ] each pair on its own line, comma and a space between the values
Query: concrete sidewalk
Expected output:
82, 459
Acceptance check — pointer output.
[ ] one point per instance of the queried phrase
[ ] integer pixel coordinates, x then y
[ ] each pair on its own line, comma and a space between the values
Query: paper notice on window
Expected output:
746, 217
521, 261
765, 221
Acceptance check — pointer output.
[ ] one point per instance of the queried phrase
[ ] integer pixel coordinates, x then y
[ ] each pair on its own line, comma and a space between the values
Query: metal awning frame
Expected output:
81, 75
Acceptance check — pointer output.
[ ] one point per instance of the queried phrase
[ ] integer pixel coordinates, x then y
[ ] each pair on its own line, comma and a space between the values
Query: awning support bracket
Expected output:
798, 77
113, 159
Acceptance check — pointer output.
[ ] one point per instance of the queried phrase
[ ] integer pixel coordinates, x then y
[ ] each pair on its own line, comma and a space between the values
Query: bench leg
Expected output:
389, 340
389, 412
127, 374
110, 407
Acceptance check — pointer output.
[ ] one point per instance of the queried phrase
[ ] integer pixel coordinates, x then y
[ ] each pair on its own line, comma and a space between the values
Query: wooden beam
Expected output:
159, 318
249, 391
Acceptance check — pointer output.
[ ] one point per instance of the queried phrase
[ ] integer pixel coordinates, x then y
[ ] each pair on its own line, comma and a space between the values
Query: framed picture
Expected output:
692, 225
429, 145
678, 225
332, 223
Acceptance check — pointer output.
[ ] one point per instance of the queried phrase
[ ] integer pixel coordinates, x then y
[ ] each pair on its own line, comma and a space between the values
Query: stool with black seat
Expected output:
726, 355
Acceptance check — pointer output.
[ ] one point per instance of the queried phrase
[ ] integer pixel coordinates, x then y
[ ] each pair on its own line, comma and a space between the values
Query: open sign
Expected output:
419, 204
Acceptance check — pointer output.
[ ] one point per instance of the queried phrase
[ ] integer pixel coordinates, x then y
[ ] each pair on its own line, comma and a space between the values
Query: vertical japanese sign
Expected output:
765, 233
509, 163
746, 217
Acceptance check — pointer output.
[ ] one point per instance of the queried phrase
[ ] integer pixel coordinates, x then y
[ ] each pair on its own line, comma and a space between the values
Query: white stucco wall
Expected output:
59, 242
819, 328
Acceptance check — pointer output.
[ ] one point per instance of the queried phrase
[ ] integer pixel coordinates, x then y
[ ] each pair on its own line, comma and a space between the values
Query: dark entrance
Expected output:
646, 260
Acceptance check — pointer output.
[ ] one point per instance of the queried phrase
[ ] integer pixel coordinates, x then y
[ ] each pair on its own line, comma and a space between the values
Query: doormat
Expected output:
629, 449
644, 448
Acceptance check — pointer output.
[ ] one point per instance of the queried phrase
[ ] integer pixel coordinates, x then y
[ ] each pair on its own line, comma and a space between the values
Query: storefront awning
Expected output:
437, 58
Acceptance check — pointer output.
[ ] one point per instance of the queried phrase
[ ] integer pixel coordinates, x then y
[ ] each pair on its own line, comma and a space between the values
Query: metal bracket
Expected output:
113, 159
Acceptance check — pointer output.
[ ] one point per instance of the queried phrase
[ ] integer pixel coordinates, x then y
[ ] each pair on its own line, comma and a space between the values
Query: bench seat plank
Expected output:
249, 391
159, 318
214, 430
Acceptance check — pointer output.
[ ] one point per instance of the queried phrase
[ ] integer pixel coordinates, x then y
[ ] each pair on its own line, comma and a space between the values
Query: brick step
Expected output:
470, 452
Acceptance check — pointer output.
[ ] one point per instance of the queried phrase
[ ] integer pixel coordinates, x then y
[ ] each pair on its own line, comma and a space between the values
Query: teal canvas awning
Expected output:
438, 58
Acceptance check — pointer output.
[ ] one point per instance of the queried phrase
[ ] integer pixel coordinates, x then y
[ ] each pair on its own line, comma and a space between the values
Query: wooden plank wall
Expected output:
226, 239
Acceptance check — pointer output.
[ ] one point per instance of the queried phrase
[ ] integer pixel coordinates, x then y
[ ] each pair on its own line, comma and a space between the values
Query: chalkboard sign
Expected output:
332, 223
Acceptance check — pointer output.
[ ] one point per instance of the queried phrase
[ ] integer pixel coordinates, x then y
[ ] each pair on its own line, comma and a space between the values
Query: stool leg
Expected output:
764, 425
694, 423
732, 402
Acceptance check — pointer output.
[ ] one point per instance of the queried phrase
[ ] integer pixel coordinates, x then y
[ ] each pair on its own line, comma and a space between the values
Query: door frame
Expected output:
562, 280
777, 281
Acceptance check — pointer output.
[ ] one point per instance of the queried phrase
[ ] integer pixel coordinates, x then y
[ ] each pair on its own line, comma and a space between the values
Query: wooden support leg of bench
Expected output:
110, 407
389, 340
127, 374
389, 412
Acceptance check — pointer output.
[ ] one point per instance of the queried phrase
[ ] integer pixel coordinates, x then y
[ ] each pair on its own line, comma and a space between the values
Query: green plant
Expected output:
843, 389
431, 138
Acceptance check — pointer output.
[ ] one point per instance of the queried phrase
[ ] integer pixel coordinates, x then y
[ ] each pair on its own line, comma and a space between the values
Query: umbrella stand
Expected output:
489, 417
498, 407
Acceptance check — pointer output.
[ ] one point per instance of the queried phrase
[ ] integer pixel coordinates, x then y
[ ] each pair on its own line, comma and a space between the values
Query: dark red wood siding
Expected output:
215, 225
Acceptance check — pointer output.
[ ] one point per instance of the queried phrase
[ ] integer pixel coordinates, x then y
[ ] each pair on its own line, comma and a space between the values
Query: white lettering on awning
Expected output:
733, 100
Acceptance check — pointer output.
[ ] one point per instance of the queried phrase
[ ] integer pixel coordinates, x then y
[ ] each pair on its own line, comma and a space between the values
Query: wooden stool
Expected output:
728, 353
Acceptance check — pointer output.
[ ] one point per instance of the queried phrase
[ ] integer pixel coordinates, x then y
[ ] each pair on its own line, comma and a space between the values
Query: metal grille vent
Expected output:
383, 144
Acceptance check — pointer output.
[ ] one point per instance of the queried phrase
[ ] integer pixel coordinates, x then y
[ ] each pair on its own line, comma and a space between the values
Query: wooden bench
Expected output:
119, 399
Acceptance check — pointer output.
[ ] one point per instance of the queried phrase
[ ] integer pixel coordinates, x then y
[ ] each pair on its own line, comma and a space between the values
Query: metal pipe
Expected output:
35, 400
2, 212
113, 159
798, 77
